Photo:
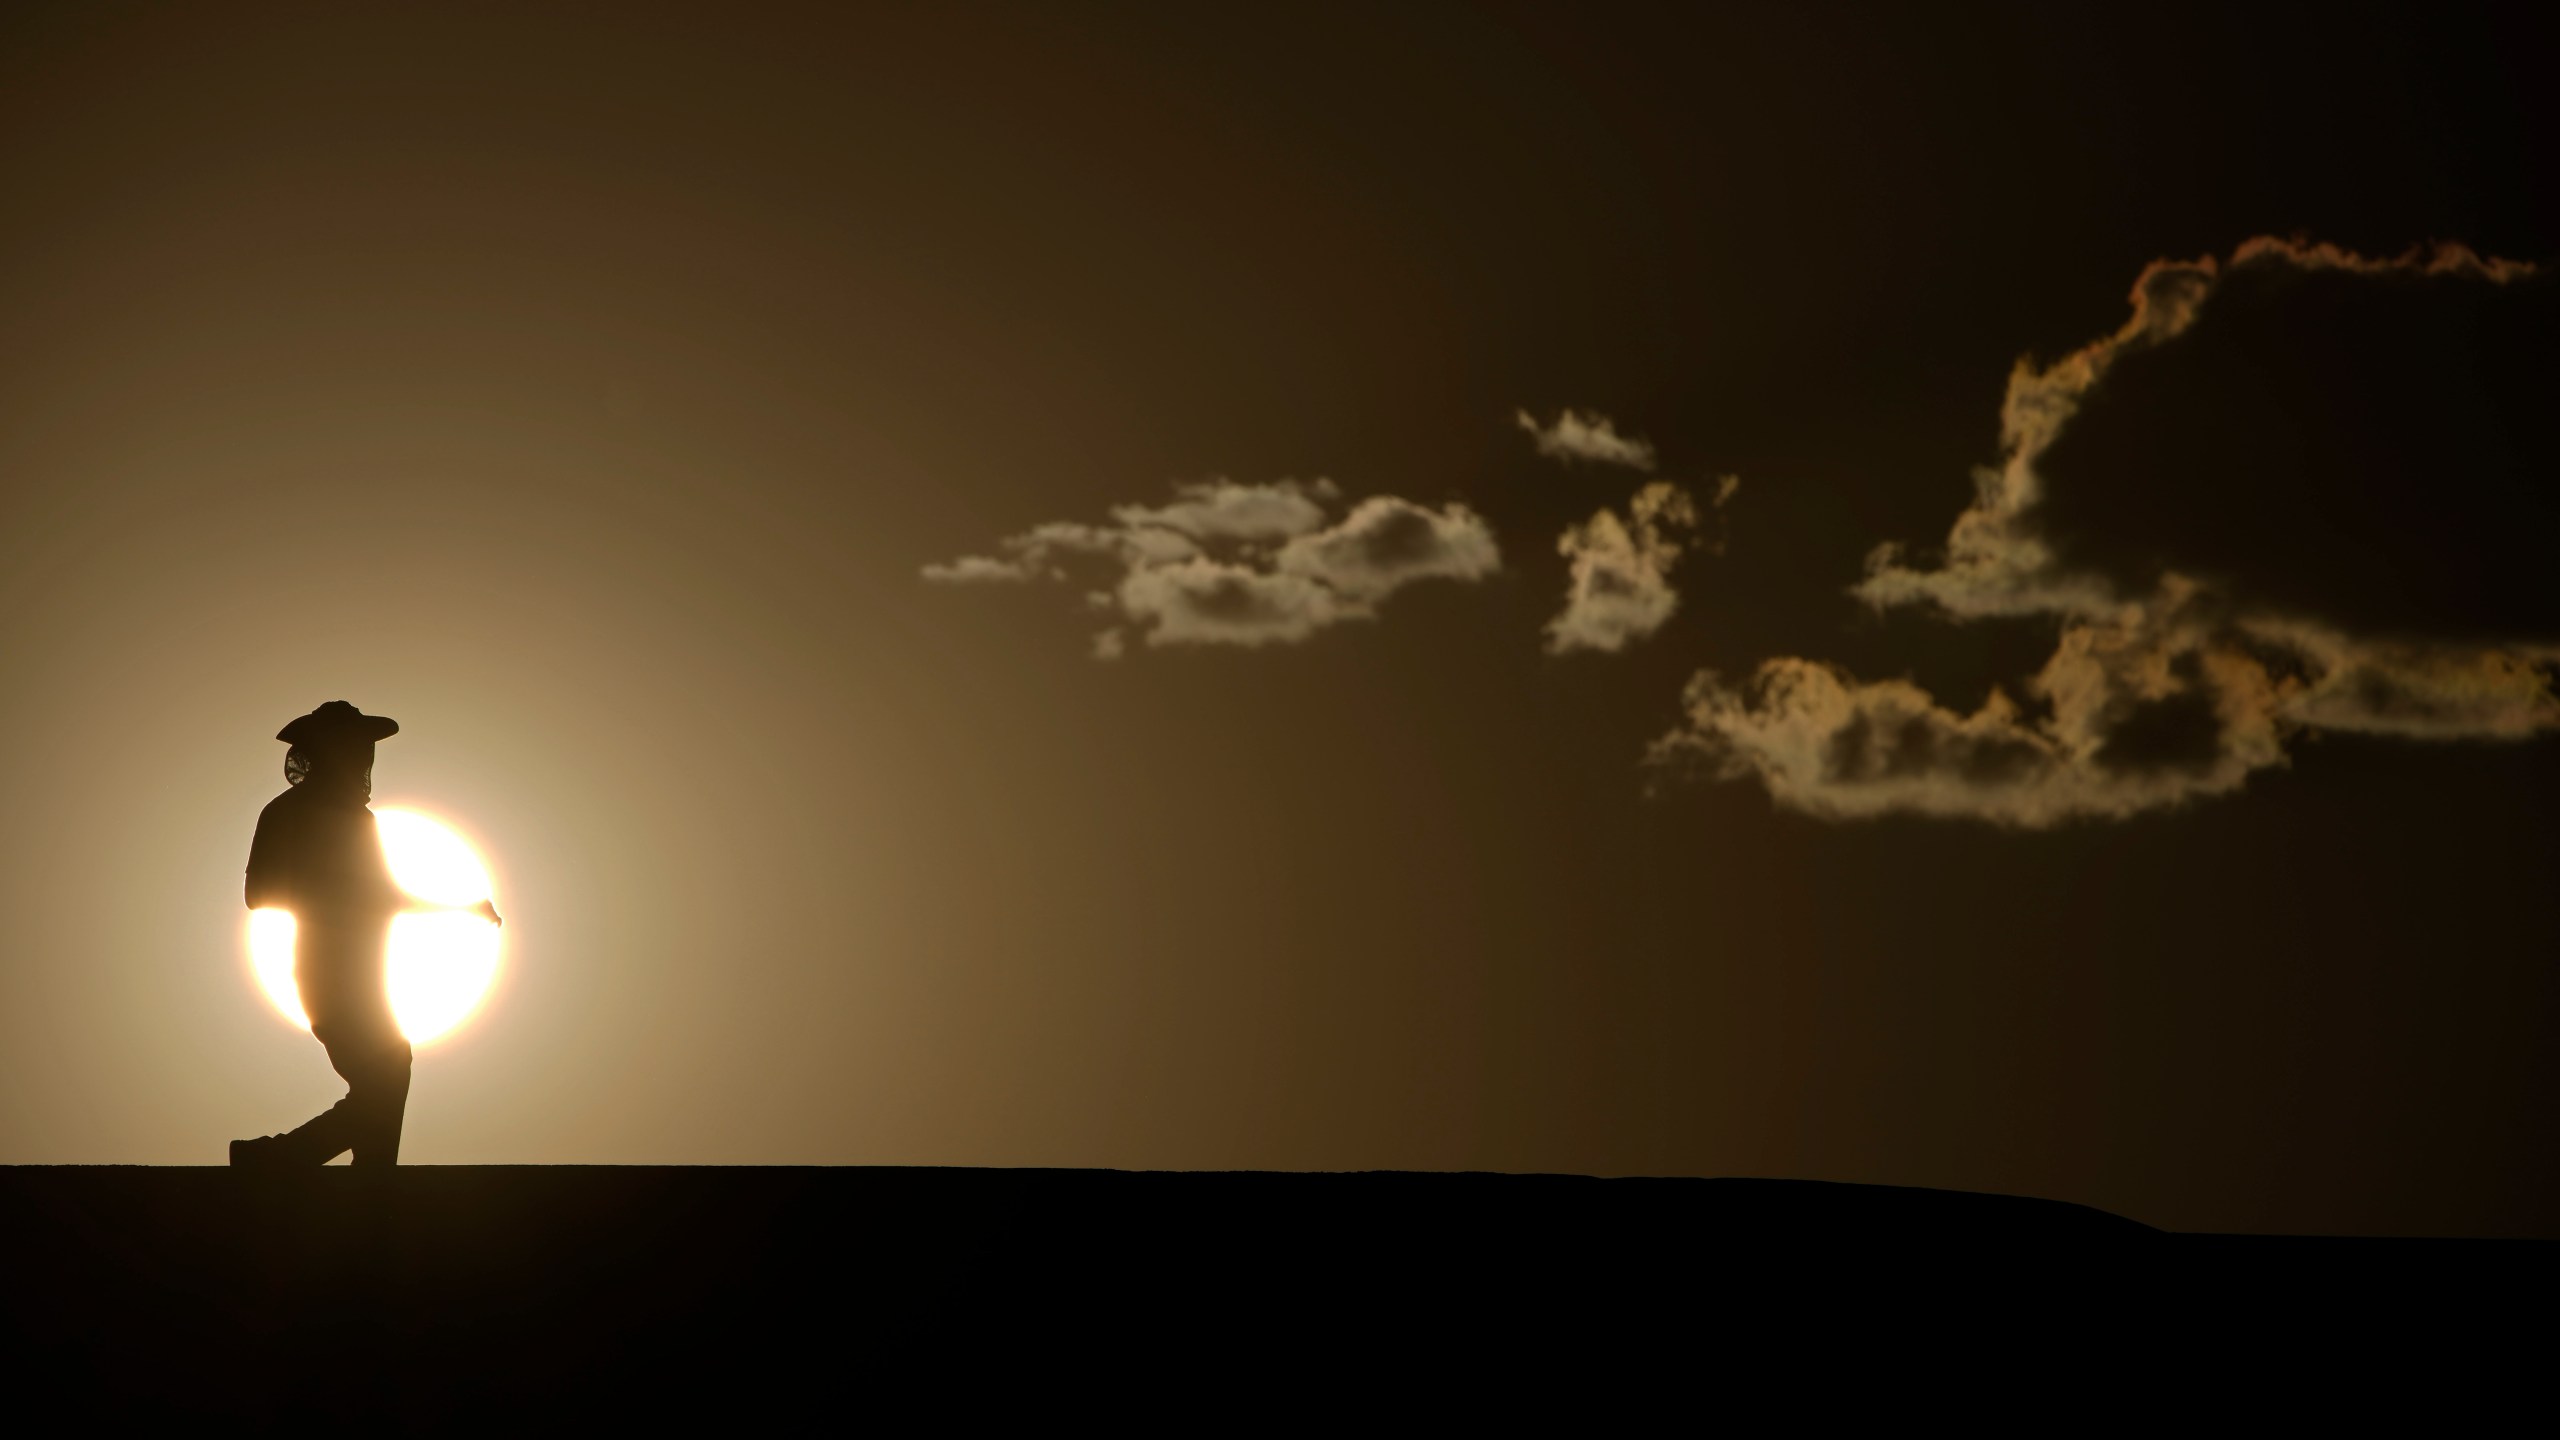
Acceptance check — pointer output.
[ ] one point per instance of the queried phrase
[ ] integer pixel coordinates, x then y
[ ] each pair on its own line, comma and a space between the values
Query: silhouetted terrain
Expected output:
493, 1295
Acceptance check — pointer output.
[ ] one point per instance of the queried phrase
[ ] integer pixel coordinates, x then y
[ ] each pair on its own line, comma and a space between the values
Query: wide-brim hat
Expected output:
337, 720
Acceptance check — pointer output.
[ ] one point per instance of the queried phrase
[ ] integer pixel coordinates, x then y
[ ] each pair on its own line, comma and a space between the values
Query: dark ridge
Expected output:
448, 1295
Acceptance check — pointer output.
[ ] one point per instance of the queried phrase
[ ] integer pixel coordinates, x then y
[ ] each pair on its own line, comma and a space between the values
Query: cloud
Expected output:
1245, 565
2413, 690
1385, 544
1221, 509
2148, 709
1998, 560
2163, 687
1043, 552
1620, 591
1578, 436
1995, 562
1201, 601
2444, 258
977, 570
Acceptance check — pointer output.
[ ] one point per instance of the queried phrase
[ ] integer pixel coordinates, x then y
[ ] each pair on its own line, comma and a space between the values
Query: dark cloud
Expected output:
2178, 732
2005, 555
2374, 449
2330, 518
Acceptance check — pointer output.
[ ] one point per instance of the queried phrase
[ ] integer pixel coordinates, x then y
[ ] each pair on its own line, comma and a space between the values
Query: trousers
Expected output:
351, 1015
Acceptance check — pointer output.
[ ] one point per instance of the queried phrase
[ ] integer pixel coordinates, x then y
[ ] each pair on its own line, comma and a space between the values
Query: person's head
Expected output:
335, 765
332, 747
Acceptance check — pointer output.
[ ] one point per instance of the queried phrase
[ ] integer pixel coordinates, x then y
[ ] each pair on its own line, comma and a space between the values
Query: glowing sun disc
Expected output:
440, 962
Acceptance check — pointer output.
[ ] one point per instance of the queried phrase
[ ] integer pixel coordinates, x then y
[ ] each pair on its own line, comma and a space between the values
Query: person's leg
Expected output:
374, 1057
385, 1088
316, 1141
374, 1060
331, 1133
339, 977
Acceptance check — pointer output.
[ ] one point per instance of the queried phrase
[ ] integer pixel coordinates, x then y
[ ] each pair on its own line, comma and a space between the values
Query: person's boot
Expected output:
267, 1152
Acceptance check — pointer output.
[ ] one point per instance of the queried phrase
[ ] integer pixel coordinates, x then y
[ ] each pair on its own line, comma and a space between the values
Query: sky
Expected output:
1947, 596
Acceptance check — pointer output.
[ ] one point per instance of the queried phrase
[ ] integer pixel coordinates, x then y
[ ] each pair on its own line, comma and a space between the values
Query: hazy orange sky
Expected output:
591, 388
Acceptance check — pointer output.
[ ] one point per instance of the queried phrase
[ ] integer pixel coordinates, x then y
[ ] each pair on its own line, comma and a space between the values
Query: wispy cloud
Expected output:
1225, 563
977, 570
2157, 706
1576, 435
1620, 591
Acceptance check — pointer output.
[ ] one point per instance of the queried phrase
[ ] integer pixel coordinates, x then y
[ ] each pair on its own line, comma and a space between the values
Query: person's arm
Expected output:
393, 899
486, 909
266, 886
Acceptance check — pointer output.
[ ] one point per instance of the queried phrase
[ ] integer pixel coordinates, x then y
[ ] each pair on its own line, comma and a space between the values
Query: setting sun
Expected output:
441, 962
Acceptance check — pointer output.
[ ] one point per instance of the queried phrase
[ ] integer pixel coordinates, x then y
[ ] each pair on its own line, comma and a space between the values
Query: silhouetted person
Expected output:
318, 855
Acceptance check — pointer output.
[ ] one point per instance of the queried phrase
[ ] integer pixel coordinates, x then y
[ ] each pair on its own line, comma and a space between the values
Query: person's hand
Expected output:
489, 908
